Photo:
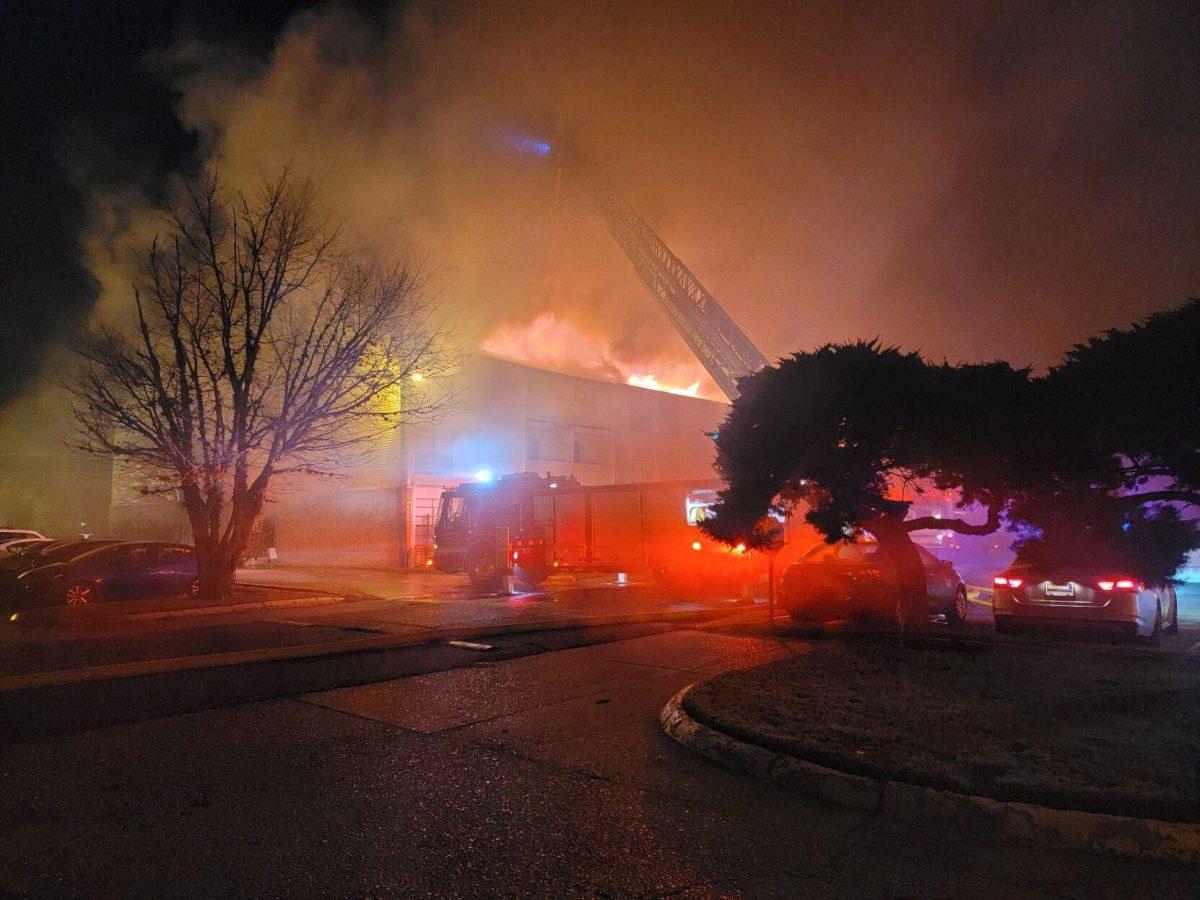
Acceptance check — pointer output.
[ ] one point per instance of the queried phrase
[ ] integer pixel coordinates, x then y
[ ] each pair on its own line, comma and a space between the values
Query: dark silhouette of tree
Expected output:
839, 430
1133, 396
1120, 418
259, 349
1079, 463
1095, 532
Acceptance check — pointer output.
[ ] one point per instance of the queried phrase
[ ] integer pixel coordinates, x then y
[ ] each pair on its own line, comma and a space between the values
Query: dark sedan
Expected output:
855, 579
42, 554
121, 571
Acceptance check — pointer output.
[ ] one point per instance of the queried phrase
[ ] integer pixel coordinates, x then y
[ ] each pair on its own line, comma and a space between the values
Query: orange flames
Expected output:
550, 342
651, 382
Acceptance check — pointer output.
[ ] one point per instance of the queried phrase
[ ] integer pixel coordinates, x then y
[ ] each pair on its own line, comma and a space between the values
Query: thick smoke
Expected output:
977, 180
980, 182
983, 180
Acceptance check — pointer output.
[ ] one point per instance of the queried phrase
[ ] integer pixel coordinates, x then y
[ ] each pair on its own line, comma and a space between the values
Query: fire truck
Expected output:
539, 525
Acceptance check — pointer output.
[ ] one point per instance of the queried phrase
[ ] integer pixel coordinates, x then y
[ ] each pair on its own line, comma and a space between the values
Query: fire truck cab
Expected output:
538, 525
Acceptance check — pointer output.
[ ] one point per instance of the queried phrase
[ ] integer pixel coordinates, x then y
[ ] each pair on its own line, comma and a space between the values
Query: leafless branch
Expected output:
260, 347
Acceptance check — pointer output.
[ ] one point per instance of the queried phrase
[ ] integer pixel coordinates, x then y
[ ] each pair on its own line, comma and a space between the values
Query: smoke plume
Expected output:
977, 180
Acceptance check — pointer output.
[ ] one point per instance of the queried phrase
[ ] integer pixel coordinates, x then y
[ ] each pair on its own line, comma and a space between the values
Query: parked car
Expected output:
8, 535
119, 571
1025, 598
41, 553
856, 579
8, 547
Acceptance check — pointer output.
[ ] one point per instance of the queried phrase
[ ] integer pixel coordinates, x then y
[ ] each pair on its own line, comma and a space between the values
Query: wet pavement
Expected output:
402, 603
405, 604
546, 775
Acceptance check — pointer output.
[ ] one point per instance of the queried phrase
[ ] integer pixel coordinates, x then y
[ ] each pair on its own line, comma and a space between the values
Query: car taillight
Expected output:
1003, 581
1120, 584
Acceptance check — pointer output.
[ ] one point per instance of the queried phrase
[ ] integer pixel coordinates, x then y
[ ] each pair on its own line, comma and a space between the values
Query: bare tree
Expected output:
259, 349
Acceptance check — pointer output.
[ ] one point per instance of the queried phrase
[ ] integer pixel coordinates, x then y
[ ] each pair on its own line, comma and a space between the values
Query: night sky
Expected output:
85, 109
976, 180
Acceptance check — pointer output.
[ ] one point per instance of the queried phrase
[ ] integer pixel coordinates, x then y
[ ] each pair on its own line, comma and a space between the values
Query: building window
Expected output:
592, 448
548, 441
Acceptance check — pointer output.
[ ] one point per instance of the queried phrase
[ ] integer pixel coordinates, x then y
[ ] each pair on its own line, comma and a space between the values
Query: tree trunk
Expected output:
204, 512
913, 600
220, 545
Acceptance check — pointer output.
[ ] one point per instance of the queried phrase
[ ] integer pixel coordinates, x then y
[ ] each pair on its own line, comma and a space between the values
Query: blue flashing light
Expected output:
525, 143
484, 475
533, 145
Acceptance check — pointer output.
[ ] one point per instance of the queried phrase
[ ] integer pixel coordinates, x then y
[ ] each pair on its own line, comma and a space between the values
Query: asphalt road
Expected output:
546, 775
405, 604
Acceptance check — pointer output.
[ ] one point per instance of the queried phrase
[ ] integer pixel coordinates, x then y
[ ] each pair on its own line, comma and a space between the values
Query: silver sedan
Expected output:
1027, 599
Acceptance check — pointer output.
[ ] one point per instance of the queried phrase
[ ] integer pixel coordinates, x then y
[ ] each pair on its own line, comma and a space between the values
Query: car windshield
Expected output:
76, 549
452, 510
22, 543
862, 553
48, 550
108, 551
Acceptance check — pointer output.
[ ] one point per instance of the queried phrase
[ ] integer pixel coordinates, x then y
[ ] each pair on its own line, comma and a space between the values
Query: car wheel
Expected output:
79, 593
482, 567
958, 609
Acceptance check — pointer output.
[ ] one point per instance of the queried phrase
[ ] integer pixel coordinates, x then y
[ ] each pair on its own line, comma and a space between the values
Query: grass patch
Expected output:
1103, 729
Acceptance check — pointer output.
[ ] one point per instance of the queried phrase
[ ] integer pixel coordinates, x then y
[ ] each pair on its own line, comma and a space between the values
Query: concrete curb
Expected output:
1056, 828
285, 603
114, 671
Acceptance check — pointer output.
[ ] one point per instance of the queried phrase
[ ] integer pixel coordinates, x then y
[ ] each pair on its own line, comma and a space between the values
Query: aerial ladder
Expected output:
720, 345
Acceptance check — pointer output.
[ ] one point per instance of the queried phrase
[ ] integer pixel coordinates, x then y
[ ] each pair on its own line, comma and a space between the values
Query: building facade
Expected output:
503, 417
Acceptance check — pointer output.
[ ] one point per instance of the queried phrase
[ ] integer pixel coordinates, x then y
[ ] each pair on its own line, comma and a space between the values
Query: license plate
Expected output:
1060, 590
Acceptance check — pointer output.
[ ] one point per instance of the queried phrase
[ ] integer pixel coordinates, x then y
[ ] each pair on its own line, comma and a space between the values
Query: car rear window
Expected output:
863, 553
846, 552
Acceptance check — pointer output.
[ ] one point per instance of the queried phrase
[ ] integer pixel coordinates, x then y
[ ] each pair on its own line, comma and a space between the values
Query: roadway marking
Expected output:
973, 596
